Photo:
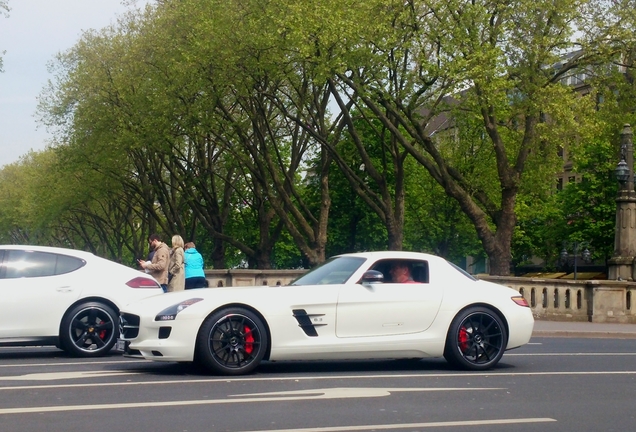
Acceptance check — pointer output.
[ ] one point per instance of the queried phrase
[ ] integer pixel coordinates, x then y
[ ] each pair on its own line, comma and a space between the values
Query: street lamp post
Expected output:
622, 262
576, 247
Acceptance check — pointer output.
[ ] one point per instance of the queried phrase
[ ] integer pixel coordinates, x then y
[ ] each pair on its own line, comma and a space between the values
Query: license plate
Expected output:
120, 345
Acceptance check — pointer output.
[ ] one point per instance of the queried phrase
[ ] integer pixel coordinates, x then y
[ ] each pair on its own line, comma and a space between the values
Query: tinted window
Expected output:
19, 264
418, 269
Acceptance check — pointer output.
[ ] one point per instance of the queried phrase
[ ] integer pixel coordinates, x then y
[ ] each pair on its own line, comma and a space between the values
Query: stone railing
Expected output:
550, 299
569, 300
247, 277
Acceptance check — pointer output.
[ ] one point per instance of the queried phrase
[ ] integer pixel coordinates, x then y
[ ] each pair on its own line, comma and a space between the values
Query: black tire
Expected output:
232, 341
476, 339
89, 330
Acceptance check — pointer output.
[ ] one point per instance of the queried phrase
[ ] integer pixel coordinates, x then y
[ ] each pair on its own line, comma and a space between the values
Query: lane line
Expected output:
53, 376
569, 354
23, 365
318, 378
73, 363
313, 394
416, 425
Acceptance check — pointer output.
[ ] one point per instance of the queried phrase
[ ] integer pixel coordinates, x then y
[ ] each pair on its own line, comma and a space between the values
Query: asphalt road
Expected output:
552, 384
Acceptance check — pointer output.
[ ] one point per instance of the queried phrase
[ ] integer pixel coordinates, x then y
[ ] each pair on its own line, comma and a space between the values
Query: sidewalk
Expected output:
583, 330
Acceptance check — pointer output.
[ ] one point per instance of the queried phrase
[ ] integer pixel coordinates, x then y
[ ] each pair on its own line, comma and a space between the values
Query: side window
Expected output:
20, 264
418, 269
67, 264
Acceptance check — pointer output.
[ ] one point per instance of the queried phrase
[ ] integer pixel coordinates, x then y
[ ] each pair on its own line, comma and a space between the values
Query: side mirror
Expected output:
372, 276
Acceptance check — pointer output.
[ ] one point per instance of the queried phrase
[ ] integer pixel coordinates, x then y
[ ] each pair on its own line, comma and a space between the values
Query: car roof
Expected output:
394, 255
50, 249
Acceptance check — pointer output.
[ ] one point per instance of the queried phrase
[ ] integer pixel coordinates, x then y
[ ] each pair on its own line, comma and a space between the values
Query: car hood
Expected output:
211, 294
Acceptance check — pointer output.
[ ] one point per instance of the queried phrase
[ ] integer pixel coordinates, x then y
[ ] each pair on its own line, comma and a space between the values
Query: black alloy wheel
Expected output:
232, 341
89, 330
476, 339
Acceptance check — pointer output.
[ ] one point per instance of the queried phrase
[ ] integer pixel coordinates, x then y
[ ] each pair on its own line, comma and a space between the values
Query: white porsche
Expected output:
348, 308
65, 297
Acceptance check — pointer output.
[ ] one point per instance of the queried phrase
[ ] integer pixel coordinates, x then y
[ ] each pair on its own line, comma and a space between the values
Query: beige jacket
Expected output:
158, 267
177, 270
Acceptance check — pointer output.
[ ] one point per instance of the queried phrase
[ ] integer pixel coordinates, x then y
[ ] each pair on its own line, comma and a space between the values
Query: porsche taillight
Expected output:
143, 282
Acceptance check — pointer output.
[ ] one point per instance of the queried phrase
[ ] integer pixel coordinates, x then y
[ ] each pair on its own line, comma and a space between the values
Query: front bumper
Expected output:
143, 337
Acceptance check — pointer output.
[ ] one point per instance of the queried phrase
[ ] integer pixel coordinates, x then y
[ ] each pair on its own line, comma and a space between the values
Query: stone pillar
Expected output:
621, 265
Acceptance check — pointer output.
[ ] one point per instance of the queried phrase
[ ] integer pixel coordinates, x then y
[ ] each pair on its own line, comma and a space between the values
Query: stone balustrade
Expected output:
248, 277
550, 299
599, 301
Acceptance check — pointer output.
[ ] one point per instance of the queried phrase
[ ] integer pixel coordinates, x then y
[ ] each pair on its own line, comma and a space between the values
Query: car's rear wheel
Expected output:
89, 330
232, 341
476, 339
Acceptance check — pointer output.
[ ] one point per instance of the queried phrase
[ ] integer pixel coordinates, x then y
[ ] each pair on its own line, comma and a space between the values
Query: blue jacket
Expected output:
193, 263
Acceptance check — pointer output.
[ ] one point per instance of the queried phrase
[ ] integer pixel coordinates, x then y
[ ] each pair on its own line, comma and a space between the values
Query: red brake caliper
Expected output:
249, 340
463, 339
102, 333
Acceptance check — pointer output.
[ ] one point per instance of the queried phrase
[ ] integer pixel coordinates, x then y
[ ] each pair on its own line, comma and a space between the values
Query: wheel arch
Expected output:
255, 312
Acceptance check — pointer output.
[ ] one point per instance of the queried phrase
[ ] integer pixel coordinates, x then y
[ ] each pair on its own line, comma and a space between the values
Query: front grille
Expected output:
128, 326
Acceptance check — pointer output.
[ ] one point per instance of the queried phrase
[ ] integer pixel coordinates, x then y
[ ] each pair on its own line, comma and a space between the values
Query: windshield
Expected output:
335, 270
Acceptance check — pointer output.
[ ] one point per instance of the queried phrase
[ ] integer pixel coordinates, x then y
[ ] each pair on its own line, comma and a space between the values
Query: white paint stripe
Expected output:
415, 425
73, 363
52, 376
125, 362
569, 354
324, 378
322, 395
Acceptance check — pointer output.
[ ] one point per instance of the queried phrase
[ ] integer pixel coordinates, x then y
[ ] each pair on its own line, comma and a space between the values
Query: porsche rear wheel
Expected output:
476, 339
232, 341
89, 330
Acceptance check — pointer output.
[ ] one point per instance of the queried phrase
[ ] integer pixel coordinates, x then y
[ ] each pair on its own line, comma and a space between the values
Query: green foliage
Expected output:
244, 125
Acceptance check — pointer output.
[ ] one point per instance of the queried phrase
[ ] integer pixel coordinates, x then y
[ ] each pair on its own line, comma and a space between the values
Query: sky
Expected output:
34, 32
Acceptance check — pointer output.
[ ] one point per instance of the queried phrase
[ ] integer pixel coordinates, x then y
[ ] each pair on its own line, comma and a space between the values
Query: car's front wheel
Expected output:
476, 339
89, 330
232, 341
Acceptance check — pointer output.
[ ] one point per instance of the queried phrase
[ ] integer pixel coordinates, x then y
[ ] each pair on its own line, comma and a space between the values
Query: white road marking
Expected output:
51, 376
126, 362
355, 392
569, 354
73, 363
315, 378
321, 394
415, 425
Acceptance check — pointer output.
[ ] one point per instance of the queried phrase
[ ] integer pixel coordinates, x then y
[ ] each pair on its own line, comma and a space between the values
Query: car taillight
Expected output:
520, 301
143, 282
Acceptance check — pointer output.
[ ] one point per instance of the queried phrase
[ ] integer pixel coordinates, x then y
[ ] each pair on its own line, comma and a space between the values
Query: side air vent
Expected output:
305, 321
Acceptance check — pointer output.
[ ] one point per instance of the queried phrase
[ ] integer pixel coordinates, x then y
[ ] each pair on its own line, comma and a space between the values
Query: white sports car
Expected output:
65, 297
347, 308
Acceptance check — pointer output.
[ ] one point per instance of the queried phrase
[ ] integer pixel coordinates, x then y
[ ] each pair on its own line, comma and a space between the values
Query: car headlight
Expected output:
170, 313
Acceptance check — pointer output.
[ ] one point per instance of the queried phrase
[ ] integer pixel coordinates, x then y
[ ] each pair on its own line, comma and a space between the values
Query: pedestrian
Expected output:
176, 270
158, 266
194, 274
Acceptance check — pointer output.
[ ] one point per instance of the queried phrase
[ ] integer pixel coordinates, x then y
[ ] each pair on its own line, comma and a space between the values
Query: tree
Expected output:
4, 10
501, 61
